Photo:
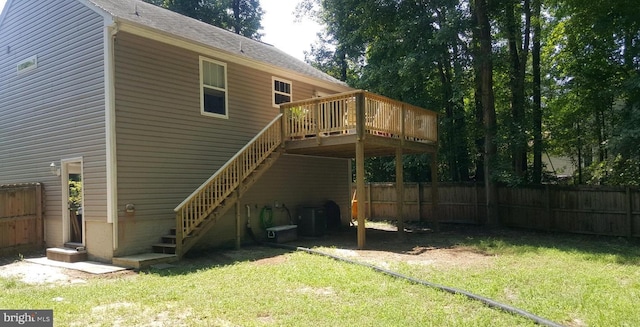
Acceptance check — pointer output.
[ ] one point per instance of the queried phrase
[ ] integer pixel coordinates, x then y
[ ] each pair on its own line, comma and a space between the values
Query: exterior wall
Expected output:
55, 111
165, 147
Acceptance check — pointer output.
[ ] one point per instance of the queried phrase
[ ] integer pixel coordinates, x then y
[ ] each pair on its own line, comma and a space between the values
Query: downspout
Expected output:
111, 29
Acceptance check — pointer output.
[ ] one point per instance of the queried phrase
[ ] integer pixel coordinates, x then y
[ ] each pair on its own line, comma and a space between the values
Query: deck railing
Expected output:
203, 201
346, 113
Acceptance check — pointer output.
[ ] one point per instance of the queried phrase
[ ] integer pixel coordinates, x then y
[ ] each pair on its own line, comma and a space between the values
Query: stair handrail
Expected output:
195, 208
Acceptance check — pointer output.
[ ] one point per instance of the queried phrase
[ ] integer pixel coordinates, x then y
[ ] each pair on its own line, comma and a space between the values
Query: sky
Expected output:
280, 29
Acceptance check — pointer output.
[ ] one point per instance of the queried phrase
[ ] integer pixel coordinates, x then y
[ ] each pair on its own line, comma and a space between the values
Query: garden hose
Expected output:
266, 217
489, 302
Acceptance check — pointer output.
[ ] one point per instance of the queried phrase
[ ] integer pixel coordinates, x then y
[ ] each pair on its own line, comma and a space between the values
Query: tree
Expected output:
595, 61
537, 94
239, 16
485, 74
562, 75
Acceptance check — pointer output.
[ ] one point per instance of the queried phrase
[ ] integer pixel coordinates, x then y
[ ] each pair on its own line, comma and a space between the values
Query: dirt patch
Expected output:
271, 261
33, 273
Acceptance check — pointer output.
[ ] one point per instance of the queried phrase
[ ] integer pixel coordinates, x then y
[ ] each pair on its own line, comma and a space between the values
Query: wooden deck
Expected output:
360, 124
331, 126
343, 146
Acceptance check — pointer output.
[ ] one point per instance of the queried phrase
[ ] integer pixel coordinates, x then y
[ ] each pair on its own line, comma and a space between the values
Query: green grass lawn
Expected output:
573, 280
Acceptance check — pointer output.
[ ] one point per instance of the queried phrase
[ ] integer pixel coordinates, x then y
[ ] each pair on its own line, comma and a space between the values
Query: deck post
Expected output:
238, 222
179, 232
434, 190
400, 192
360, 187
360, 192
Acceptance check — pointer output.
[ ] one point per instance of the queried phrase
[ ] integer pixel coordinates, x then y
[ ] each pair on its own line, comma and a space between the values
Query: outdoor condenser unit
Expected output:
312, 221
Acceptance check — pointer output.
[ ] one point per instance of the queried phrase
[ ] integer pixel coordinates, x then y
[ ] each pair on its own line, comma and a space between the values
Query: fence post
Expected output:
547, 204
434, 190
475, 202
629, 207
420, 201
400, 191
369, 198
39, 220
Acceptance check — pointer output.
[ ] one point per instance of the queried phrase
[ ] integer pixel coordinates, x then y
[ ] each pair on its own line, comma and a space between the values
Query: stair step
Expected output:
169, 239
66, 255
144, 260
164, 248
74, 245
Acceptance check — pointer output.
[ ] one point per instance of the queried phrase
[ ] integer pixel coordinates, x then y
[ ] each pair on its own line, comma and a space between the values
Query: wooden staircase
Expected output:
199, 212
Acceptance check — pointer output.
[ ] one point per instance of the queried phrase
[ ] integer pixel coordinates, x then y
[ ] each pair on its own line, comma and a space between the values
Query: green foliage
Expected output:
239, 16
616, 171
75, 194
422, 52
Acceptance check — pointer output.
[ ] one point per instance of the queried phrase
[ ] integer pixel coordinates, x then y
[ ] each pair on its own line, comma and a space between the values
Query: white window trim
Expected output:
273, 91
225, 90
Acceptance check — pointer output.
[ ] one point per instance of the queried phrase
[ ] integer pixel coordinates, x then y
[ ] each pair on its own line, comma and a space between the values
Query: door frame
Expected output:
64, 178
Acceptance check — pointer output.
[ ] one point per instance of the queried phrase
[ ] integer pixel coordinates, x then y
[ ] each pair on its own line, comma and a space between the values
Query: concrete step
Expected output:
144, 260
66, 255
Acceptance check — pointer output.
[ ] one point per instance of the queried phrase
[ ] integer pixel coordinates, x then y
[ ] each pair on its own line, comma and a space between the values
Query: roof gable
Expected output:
146, 15
3, 14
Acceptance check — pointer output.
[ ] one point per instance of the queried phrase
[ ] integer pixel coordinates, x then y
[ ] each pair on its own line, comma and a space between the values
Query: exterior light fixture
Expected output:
55, 171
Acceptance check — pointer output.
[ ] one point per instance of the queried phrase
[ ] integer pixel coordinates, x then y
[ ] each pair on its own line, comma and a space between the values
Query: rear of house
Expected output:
111, 95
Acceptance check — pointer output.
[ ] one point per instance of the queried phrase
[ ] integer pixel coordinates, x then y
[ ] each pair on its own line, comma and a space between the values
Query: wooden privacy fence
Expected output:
613, 211
21, 224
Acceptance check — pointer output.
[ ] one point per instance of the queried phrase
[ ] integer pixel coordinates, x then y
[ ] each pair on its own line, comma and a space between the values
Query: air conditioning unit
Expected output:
312, 221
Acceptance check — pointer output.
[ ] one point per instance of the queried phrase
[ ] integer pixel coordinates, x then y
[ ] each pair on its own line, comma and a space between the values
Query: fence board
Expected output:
21, 224
613, 211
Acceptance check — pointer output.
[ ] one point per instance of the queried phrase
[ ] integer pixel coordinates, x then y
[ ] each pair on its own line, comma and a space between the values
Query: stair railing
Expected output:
203, 201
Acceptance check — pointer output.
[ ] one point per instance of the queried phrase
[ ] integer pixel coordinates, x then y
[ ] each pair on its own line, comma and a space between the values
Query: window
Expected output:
27, 65
281, 91
213, 88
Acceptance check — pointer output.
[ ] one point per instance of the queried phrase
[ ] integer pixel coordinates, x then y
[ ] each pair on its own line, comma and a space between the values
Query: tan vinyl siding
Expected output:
165, 147
55, 111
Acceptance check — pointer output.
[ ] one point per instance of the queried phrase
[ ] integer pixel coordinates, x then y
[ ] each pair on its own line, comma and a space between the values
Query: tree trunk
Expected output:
518, 60
477, 99
450, 75
488, 106
237, 24
537, 97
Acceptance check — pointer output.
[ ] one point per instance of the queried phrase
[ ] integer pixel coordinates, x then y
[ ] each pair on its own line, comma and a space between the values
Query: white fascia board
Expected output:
199, 48
108, 18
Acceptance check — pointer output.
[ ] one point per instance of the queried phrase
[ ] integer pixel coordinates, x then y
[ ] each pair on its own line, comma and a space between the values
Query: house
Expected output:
173, 124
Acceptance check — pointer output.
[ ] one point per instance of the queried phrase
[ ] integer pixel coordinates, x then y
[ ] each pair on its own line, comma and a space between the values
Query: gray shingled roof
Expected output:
184, 27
